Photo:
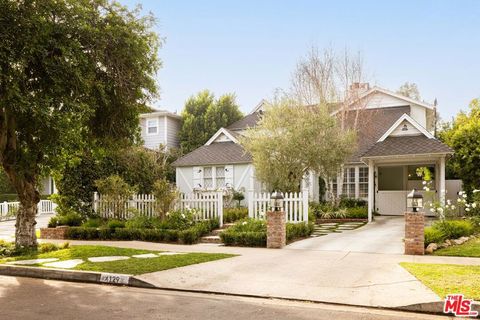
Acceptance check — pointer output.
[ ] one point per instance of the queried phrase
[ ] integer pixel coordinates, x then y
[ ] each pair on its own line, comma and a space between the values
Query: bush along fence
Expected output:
295, 205
8, 210
208, 205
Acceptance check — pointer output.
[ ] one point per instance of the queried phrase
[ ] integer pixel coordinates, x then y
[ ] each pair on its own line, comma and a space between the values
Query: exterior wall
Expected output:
47, 186
379, 100
419, 114
173, 127
243, 179
152, 141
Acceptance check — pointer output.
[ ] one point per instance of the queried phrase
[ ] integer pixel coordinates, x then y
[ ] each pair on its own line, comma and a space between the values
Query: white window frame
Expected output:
362, 182
148, 125
213, 177
347, 182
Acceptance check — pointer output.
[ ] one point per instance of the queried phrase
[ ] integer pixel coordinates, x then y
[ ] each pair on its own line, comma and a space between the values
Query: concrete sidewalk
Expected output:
329, 276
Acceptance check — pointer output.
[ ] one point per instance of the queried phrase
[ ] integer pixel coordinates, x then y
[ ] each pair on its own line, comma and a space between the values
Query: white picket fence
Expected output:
8, 210
295, 205
209, 205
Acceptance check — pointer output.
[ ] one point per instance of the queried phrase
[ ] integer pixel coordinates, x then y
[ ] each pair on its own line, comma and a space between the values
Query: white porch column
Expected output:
442, 181
371, 189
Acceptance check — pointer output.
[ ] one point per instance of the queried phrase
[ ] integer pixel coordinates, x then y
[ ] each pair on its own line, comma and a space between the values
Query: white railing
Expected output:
8, 210
295, 205
209, 205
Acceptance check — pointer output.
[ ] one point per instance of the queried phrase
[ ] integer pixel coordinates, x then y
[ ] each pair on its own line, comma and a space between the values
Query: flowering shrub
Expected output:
180, 220
450, 208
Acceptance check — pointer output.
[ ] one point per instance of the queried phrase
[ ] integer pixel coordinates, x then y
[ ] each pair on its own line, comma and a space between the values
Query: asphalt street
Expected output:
25, 298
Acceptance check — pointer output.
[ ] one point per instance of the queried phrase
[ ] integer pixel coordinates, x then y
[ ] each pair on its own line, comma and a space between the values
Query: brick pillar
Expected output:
276, 229
414, 233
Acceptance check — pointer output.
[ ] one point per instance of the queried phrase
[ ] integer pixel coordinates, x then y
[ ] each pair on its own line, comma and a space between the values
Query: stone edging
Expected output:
75, 276
431, 247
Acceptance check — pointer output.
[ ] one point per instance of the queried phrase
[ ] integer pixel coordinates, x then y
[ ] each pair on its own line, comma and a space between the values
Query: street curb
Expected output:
435, 308
75, 276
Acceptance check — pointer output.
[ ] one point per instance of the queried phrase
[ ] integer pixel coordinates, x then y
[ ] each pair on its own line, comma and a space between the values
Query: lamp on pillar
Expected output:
277, 201
415, 200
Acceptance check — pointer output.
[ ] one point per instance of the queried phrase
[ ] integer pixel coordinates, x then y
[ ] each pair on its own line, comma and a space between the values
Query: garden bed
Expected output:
253, 233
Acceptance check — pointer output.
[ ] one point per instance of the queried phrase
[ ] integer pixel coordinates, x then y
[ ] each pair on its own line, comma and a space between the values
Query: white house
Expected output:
160, 128
394, 138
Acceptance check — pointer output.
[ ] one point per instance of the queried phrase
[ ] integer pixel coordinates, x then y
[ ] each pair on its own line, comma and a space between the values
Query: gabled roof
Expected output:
220, 132
215, 153
407, 118
372, 124
249, 121
407, 146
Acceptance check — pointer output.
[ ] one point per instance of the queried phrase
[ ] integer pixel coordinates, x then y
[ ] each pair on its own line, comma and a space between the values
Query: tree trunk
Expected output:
25, 236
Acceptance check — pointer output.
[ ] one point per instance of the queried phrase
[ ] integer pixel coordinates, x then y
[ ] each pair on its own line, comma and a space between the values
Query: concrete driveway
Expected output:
384, 235
7, 228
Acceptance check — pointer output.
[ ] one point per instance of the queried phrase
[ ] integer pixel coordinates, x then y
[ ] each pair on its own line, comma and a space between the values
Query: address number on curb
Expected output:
114, 278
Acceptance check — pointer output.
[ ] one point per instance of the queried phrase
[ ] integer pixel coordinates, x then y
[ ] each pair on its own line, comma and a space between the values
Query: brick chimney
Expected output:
356, 89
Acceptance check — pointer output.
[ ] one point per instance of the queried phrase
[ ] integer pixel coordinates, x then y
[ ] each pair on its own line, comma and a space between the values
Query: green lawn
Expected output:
470, 248
132, 266
446, 279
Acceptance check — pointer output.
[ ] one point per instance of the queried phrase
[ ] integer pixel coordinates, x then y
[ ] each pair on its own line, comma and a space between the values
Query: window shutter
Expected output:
197, 177
229, 176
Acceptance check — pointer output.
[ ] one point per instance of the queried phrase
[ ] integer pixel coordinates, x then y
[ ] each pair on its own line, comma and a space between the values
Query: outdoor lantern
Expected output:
415, 200
277, 201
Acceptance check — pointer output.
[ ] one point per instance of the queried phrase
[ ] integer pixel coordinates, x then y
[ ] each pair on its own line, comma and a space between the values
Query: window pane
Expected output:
152, 129
220, 171
220, 182
207, 172
208, 182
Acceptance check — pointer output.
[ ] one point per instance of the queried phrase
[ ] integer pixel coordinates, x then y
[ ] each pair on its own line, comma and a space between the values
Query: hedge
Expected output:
234, 214
448, 229
187, 236
253, 233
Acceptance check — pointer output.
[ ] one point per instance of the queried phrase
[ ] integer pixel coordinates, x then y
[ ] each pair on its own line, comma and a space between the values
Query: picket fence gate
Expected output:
295, 205
208, 205
8, 210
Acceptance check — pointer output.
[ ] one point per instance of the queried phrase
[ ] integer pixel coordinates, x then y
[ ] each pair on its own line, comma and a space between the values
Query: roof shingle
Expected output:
407, 145
215, 153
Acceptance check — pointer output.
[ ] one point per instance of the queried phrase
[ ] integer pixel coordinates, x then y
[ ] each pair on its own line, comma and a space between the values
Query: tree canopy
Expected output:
409, 90
463, 136
203, 115
72, 73
291, 140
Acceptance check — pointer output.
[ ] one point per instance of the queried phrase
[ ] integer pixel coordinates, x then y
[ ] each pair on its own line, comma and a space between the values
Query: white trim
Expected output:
242, 178
165, 131
393, 94
161, 113
185, 179
406, 117
259, 106
148, 126
218, 133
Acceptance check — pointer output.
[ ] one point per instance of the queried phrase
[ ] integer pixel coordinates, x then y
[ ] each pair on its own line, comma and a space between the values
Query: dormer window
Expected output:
152, 126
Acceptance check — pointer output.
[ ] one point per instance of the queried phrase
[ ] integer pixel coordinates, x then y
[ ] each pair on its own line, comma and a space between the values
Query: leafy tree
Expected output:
136, 165
203, 116
463, 136
409, 90
291, 140
72, 73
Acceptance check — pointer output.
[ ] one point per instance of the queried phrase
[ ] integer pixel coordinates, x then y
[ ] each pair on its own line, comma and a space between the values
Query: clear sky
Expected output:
250, 47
